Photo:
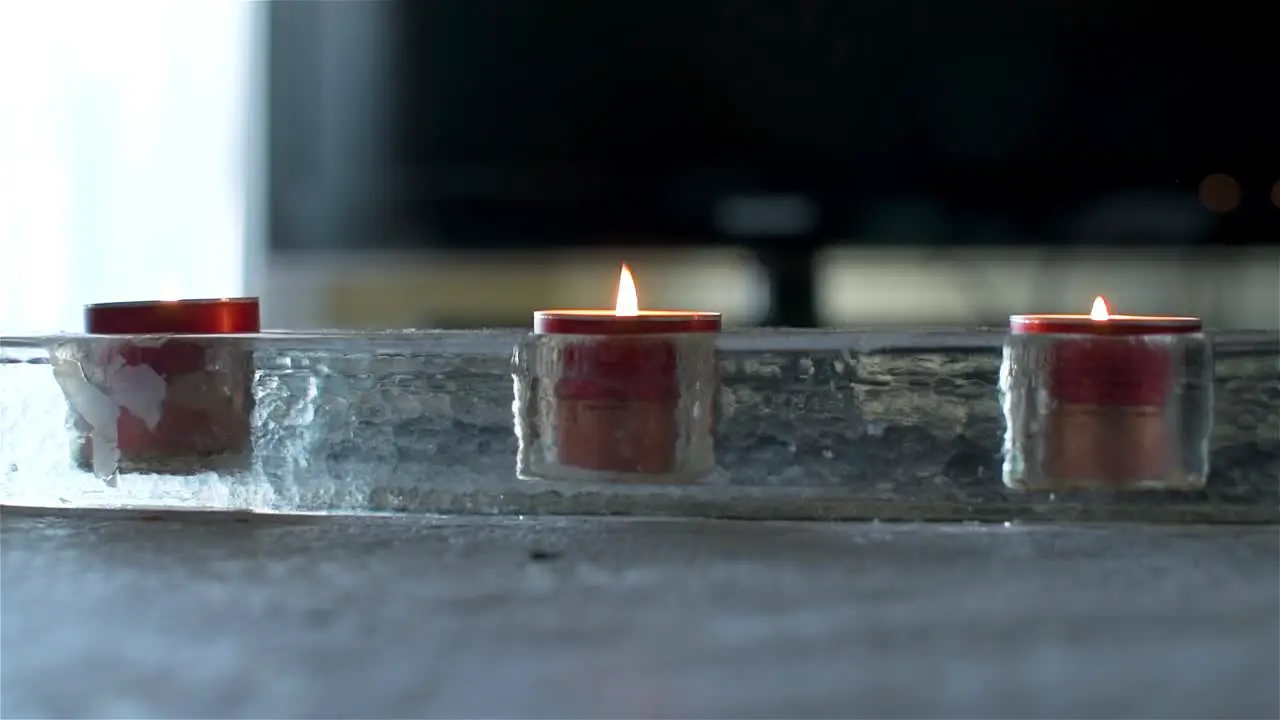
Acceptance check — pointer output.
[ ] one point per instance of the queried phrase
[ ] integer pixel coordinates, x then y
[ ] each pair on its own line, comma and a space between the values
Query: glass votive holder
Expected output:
1119, 404
159, 387
600, 398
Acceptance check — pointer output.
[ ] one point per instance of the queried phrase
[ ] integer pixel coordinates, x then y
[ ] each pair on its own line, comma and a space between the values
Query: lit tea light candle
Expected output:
1109, 381
621, 405
625, 319
159, 403
1090, 368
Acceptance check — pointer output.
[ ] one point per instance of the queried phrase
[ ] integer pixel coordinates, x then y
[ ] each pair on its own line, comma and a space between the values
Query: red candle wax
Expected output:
207, 400
618, 392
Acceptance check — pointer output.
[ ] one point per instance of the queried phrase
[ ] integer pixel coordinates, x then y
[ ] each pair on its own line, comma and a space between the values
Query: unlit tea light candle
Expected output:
1108, 401
623, 395
163, 392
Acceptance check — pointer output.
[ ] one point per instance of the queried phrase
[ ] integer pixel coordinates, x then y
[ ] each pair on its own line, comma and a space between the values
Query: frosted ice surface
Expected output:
829, 424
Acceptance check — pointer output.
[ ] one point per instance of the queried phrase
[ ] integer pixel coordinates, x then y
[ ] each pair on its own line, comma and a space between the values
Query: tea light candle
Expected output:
174, 317
179, 405
1094, 365
618, 384
1109, 380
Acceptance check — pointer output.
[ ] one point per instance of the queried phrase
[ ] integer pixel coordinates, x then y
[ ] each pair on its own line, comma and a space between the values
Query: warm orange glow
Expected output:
628, 301
1099, 313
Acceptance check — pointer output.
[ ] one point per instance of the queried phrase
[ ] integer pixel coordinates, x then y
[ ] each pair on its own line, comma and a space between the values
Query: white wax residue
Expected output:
140, 389
98, 410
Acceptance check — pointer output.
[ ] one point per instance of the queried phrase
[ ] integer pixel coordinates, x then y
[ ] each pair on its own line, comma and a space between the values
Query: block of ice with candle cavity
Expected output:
1104, 401
146, 411
809, 424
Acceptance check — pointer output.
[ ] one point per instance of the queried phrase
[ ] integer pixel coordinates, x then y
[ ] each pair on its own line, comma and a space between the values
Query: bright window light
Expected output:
122, 154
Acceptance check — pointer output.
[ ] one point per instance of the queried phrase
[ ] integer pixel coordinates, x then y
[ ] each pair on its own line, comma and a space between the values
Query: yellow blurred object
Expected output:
470, 291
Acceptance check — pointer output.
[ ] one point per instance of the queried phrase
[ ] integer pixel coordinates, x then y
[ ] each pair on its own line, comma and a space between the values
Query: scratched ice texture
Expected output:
821, 424
1186, 420
538, 366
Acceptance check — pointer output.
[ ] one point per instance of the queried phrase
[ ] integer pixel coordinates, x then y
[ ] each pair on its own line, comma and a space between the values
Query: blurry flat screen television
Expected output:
778, 125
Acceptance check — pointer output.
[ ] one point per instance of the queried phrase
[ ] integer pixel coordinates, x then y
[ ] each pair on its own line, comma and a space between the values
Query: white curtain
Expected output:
123, 170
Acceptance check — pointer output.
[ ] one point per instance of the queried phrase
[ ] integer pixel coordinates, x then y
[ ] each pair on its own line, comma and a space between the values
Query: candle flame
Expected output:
1099, 313
628, 301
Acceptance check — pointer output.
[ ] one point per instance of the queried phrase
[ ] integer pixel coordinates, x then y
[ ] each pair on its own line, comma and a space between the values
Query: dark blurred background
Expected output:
460, 162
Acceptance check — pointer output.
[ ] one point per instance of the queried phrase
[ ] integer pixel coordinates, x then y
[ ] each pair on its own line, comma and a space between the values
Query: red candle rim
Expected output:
1114, 325
204, 316
606, 322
